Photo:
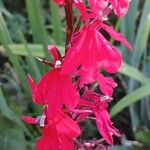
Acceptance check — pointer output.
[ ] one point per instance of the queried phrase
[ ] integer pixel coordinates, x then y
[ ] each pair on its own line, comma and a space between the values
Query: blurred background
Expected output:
26, 27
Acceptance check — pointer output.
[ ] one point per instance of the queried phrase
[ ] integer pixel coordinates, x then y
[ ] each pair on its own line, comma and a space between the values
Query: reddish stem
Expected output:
46, 62
69, 22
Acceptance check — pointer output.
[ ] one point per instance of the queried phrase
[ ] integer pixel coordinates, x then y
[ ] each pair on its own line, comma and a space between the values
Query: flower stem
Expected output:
69, 22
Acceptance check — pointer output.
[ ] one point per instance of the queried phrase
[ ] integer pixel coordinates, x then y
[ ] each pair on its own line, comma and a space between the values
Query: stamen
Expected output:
42, 120
106, 98
58, 64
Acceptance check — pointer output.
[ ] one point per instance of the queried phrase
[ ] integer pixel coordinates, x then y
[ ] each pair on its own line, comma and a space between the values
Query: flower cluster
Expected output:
88, 54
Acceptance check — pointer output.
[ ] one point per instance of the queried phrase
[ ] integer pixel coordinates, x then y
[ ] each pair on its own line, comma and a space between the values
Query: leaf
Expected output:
5, 39
143, 136
40, 35
36, 49
8, 113
130, 99
56, 22
134, 73
32, 61
11, 137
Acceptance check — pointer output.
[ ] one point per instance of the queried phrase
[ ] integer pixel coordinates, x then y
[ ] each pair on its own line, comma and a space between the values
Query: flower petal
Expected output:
54, 52
105, 126
120, 7
35, 92
68, 126
117, 36
29, 119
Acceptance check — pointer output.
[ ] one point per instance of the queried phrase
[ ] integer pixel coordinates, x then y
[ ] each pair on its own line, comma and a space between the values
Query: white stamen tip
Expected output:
58, 64
39, 59
111, 133
106, 98
42, 120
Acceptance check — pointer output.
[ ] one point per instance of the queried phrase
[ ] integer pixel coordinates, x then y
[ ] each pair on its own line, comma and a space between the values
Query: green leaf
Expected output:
134, 73
32, 61
5, 39
8, 113
130, 99
143, 136
11, 137
36, 19
40, 35
36, 49
56, 22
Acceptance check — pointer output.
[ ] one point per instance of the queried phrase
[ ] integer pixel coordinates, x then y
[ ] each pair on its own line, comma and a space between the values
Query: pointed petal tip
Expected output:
31, 82
28, 119
54, 52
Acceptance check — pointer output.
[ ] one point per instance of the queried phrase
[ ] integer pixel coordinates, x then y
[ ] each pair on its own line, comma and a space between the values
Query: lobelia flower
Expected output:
91, 51
87, 76
98, 105
54, 88
120, 7
57, 133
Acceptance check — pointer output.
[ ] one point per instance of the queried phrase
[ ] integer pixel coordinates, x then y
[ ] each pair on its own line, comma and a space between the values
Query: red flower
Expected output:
91, 50
57, 133
54, 88
106, 84
120, 7
98, 105
105, 126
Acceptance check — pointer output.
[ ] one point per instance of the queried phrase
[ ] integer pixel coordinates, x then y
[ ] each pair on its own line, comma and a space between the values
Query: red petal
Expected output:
59, 2
110, 59
105, 126
82, 8
98, 5
66, 143
54, 52
49, 139
35, 92
117, 36
106, 84
69, 94
29, 119
68, 126
120, 7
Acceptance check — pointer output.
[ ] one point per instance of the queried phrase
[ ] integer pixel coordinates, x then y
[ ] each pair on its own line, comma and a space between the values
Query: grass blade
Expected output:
130, 99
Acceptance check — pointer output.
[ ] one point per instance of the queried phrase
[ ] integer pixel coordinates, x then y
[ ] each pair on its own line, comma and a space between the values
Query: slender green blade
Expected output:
8, 113
36, 19
30, 57
36, 49
5, 39
130, 99
56, 23
134, 73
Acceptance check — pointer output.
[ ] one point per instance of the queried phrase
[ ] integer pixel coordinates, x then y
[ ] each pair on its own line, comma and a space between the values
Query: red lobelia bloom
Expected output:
57, 133
54, 88
120, 7
98, 105
91, 51
87, 76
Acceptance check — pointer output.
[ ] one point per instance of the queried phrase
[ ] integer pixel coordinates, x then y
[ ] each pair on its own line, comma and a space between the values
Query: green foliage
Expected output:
11, 137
